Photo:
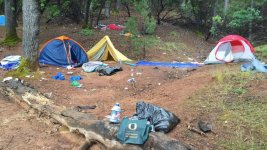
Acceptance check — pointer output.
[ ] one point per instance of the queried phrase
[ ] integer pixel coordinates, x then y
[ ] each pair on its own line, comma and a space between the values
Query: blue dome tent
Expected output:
63, 51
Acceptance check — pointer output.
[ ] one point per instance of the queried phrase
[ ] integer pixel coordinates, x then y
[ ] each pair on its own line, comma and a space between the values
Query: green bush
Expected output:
150, 25
242, 17
131, 26
53, 11
87, 32
216, 22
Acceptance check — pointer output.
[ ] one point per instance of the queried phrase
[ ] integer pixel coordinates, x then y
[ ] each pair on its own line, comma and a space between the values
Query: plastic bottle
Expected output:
115, 113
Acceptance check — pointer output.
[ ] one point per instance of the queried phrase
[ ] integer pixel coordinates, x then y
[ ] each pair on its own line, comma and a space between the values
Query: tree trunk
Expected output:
250, 23
87, 11
118, 5
107, 8
30, 33
10, 14
126, 5
102, 3
225, 8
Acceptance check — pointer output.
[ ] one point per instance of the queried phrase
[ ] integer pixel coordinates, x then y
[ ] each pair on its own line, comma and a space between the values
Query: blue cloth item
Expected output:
255, 65
10, 62
2, 20
169, 64
75, 78
59, 76
10, 66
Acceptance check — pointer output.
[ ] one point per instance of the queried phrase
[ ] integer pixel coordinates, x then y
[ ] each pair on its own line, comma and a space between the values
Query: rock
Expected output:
204, 126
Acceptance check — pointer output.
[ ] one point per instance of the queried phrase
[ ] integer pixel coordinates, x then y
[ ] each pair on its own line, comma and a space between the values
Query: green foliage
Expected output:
235, 110
139, 43
87, 32
150, 25
10, 41
216, 22
242, 17
174, 33
53, 11
21, 71
131, 26
261, 51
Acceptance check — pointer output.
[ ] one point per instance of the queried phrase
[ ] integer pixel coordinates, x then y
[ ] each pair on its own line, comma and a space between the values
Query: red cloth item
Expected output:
114, 27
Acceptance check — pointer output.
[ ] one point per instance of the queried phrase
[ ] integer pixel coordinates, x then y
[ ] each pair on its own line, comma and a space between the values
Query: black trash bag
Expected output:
162, 119
107, 71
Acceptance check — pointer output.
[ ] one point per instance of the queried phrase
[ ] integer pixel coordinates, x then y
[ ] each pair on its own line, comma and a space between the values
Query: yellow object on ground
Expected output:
104, 49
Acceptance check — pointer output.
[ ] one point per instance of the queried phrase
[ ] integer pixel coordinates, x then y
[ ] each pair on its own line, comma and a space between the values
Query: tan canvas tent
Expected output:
104, 49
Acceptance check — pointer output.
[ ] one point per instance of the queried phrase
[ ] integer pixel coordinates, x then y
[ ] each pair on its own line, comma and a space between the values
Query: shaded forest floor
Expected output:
233, 102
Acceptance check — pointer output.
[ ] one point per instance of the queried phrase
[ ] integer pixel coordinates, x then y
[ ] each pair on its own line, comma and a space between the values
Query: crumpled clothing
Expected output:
59, 76
75, 78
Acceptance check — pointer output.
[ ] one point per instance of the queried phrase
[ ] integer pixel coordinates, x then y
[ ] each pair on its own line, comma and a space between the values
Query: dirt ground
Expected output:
22, 129
165, 87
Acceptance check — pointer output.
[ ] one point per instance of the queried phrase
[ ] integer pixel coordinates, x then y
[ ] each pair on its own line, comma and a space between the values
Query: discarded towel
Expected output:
170, 64
92, 65
107, 71
59, 76
76, 84
75, 78
10, 62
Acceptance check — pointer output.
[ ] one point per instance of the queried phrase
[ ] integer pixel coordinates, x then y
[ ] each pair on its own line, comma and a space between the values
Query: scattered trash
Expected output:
164, 53
48, 95
69, 73
133, 131
132, 74
159, 83
44, 79
70, 67
131, 80
126, 88
57, 68
76, 84
162, 119
138, 73
28, 76
204, 126
75, 78
59, 76
82, 108
115, 113
7, 78
191, 128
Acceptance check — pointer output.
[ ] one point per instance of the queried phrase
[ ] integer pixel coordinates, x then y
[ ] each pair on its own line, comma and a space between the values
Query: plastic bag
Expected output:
162, 119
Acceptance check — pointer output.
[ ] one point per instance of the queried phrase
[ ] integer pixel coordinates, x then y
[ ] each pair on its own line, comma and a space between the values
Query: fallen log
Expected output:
95, 131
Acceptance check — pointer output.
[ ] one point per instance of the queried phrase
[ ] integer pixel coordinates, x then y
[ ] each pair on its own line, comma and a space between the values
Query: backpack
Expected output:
133, 131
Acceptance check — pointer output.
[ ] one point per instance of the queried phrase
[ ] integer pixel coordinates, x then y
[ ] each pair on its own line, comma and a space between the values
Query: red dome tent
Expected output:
231, 48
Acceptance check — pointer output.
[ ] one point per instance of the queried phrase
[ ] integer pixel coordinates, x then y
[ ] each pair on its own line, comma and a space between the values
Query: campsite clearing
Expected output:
205, 93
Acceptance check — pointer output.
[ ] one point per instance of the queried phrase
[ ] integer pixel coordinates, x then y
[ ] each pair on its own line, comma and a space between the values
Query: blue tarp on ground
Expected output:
2, 20
169, 64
